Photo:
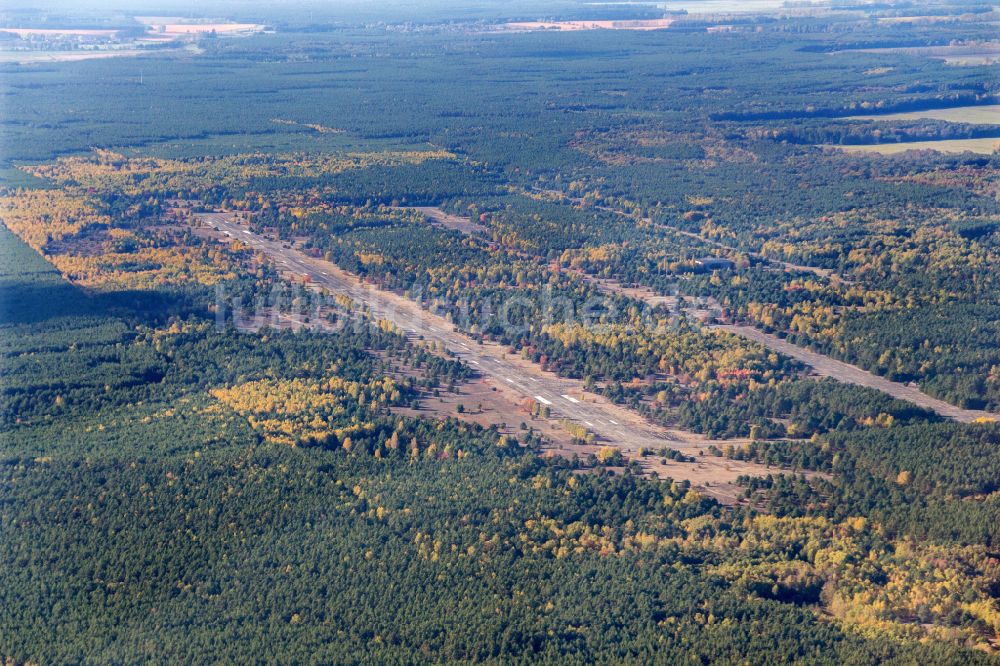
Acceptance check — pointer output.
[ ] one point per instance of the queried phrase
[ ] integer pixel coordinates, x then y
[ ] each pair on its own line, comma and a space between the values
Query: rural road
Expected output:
613, 425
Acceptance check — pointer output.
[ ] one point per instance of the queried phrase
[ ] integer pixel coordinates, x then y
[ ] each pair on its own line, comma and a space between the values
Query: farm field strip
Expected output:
988, 114
985, 146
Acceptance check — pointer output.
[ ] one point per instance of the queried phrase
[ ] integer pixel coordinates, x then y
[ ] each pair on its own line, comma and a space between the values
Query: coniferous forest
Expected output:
708, 369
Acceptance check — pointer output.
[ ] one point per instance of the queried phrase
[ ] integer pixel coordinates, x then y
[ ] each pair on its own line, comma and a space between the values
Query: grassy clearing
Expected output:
14, 177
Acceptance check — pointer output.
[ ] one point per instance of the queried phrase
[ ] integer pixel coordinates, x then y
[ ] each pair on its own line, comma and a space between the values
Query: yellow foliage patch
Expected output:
41, 217
920, 586
105, 170
286, 411
52, 221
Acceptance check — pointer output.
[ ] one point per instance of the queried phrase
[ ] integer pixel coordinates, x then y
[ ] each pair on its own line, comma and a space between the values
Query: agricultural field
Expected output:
461, 333
988, 114
954, 146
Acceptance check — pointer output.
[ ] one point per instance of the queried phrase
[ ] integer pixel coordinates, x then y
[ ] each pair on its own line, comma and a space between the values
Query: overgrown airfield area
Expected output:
453, 332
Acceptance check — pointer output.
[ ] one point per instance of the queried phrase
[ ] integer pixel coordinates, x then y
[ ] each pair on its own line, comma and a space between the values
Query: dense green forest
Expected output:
178, 486
143, 523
